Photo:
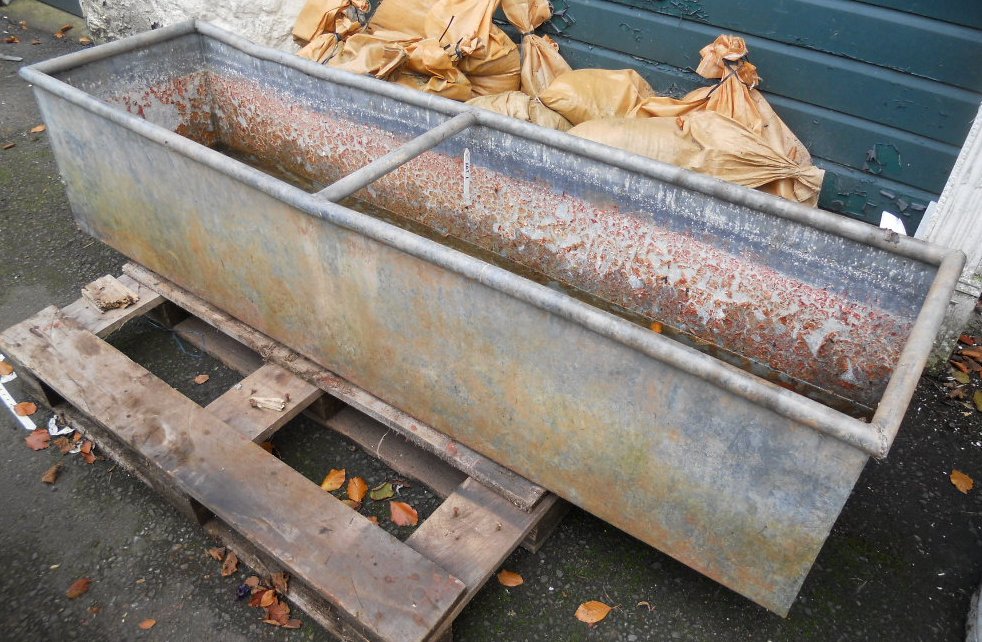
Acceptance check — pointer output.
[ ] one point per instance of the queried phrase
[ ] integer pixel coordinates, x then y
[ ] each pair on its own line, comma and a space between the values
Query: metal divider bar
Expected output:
396, 158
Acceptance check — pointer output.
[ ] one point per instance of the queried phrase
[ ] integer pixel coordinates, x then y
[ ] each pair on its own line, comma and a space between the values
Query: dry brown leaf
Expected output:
402, 514
357, 488
334, 480
510, 579
257, 596
268, 598
63, 444
977, 400
38, 128
85, 40
352, 504
373, 519
38, 440
78, 588
968, 339
592, 612
25, 409
7, 146
230, 564
217, 553
86, 452
281, 582
5, 368
293, 624
61, 32
975, 353
201, 378
77, 437
12, 40
147, 623
278, 612
51, 475
962, 482
958, 364
252, 581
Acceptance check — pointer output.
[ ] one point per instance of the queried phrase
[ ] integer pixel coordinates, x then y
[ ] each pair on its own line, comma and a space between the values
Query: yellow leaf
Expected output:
402, 514
510, 579
334, 480
976, 399
357, 489
592, 612
962, 482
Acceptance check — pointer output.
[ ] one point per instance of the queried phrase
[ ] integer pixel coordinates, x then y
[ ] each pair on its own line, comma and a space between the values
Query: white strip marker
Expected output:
26, 422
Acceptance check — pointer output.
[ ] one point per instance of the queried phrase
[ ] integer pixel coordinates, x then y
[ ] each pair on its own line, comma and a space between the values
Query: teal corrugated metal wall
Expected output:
882, 92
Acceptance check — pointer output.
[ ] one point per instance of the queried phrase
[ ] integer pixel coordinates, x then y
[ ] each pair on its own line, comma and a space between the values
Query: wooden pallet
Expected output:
350, 576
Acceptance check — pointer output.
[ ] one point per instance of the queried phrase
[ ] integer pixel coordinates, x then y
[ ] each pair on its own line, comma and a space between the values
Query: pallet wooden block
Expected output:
353, 578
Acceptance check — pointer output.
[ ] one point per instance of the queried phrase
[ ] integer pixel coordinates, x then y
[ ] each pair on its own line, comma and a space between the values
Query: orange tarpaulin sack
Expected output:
709, 143
378, 53
520, 105
429, 67
541, 62
335, 27
498, 69
735, 96
588, 94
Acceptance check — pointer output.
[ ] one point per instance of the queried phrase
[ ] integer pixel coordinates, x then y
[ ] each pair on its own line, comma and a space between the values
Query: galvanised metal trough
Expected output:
704, 366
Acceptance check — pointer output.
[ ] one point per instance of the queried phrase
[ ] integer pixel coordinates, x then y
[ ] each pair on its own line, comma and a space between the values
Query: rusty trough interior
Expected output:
826, 317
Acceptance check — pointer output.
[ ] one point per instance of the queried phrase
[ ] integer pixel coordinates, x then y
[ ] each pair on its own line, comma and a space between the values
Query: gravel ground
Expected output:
901, 563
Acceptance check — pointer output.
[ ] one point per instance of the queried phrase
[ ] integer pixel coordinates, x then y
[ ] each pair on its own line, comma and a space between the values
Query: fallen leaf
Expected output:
293, 624
5, 368
281, 582
95, 610
977, 400
61, 32
357, 489
217, 553
12, 40
7, 146
402, 514
975, 353
647, 604
85, 40
38, 440
25, 409
962, 482
373, 519
973, 365
201, 378
252, 581
352, 504
592, 612
334, 480
968, 339
78, 588
256, 598
86, 452
77, 437
36, 41
38, 129
63, 444
268, 598
230, 564
147, 623
23, 25
958, 364
51, 475
382, 491
656, 327
267, 446
510, 579
960, 377
278, 612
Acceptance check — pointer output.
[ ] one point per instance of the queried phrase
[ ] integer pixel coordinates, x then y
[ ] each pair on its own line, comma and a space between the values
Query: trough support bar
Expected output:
518, 490
396, 158
209, 461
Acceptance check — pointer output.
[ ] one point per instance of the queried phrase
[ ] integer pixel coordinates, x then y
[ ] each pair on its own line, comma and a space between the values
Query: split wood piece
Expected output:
520, 491
103, 323
373, 437
392, 592
271, 381
107, 293
471, 534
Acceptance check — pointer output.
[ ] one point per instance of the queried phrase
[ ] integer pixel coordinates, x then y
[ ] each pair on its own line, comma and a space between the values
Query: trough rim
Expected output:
874, 438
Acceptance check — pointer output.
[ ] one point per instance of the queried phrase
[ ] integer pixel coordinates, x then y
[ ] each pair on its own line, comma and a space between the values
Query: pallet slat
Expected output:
391, 592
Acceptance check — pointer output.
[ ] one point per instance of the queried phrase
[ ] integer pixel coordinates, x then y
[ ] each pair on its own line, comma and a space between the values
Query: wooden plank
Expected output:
848, 29
103, 324
962, 12
381, 586
219, 345
400, 455
299, 594
258, 424
107, 293
517, 489
932, 109
472, 533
